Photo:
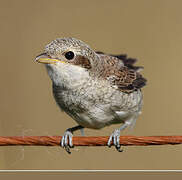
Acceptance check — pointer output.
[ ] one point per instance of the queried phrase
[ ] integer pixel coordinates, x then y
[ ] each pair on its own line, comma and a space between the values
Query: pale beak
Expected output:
45, 59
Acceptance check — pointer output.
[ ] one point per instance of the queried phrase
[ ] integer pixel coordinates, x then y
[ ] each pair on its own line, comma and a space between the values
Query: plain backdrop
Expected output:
149, 30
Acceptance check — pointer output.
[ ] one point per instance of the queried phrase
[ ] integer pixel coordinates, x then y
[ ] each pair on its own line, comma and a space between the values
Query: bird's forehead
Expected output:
62, 44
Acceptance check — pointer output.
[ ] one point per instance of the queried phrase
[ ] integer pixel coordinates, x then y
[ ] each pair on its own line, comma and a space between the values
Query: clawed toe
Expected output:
118, 148
66, 141
115, 137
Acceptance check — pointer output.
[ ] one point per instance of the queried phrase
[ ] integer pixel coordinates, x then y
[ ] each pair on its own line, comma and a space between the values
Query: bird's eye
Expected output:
69, 55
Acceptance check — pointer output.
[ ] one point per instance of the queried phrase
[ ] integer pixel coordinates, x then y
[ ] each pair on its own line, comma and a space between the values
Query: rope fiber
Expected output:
88, 141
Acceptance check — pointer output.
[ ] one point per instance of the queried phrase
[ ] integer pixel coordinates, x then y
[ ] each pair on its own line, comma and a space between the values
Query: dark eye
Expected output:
69, 55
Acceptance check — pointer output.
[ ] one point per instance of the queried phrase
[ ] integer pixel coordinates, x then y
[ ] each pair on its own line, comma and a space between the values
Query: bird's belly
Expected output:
98, 110
93, 122
97, 118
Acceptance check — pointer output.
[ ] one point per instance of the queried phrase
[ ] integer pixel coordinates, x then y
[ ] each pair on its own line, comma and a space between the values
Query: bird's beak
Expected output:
45, 59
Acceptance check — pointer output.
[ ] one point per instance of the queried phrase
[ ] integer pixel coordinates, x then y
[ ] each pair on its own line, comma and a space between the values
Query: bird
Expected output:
95, 89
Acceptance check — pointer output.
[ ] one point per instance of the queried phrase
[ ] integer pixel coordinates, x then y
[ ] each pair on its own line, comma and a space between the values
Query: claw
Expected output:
66, 141
115, 137
118, 148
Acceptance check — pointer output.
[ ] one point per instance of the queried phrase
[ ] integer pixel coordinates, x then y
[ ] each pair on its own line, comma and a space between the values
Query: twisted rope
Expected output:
89, 141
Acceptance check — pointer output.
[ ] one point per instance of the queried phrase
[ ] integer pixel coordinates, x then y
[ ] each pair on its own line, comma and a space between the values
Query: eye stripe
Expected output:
82, 61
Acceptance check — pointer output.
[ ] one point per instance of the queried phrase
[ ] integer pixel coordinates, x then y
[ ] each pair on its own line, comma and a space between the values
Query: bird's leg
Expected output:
115, 136
82, 132
66, 141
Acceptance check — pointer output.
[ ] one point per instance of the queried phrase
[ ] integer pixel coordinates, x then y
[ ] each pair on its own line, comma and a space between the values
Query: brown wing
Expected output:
125, 76
129, 80
129, 62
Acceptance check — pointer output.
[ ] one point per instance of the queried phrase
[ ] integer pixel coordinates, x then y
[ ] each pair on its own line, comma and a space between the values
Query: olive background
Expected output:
150, 31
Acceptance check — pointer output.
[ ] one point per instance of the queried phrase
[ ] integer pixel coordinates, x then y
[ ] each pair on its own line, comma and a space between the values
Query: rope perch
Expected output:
89, 141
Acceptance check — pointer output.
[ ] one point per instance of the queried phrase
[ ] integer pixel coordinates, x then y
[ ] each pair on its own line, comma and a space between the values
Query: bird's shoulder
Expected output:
120, 71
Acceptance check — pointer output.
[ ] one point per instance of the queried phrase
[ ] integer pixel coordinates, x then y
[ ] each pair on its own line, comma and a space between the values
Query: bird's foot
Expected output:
115, 137
66, 141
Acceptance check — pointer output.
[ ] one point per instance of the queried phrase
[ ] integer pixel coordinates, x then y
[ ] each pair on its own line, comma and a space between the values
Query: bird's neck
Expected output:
68, 76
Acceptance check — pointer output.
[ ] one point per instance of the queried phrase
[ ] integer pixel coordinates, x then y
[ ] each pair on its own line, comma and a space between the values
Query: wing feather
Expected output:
126, 76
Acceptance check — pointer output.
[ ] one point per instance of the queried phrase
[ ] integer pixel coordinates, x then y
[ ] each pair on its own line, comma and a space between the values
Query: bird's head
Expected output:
67, 58
69, 51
